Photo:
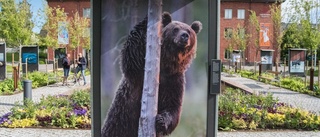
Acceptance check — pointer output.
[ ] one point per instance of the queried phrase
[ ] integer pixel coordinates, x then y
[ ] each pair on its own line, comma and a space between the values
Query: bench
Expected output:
275, 78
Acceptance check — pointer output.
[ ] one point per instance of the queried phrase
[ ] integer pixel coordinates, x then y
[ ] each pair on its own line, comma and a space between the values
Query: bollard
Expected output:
15, 77
284, 67
311, 78
240, 64
260, 70
27, 89
255, 67
236, 67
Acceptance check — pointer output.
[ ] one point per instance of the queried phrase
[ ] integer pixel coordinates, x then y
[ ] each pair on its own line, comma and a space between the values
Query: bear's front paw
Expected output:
161, 126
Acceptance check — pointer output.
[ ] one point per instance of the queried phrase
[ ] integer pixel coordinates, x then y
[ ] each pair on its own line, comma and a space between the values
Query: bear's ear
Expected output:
196, 26
166, 19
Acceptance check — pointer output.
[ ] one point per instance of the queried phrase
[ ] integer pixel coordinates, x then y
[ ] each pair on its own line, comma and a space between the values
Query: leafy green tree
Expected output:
54, 15
16, 24
239, 39
308, 34
254, 23
277, 33
290, 39
78, 32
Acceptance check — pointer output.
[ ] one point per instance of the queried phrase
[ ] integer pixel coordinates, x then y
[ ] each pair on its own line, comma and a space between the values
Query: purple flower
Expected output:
79, 111
5, 118
259, 107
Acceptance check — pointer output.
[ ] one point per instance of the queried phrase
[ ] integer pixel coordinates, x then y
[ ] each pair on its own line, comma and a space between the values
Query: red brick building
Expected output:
236, 12
70, 7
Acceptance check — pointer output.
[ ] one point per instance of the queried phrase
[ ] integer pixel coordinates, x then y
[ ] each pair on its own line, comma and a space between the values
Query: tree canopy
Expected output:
16, 24
54, 16
78, 29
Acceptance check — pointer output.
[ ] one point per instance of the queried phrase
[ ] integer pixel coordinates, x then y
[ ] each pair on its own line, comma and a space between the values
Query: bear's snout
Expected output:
184, 37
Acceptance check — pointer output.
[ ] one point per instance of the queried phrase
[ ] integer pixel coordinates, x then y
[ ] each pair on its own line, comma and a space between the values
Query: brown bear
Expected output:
178, 48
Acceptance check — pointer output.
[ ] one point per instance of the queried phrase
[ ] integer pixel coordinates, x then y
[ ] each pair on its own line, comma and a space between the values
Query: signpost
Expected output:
32, 54
266, 59
296, 63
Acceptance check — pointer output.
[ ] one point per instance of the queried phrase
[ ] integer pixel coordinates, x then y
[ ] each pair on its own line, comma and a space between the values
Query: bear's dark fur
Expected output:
178, 48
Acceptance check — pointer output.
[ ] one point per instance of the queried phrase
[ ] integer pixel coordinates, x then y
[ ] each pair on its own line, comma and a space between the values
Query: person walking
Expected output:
66, 68
82, 62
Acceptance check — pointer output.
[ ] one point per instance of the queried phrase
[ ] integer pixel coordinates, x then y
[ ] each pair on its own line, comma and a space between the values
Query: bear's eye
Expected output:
175, 30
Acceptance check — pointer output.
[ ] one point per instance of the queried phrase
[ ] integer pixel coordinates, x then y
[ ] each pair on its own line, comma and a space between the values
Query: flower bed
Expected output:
60, 111
238, 110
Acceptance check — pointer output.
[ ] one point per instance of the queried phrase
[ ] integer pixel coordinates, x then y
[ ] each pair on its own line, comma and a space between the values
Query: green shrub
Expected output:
7, 86
43, 55
42, 61
40, 78
81, 98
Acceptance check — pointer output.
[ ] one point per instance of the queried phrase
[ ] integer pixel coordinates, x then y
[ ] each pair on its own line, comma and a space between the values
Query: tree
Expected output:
54, 16
277, 33
16, 25
149, 101
290, 39
309, 36
254, 22
239, 40
77, 32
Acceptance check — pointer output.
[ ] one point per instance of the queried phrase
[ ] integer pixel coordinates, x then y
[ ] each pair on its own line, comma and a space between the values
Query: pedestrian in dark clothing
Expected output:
66, 68
82, 62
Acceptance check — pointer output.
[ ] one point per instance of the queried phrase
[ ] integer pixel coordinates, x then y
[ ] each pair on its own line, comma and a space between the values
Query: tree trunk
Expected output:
149, 100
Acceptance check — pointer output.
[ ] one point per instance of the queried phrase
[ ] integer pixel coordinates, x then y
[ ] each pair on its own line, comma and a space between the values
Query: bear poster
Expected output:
120, 22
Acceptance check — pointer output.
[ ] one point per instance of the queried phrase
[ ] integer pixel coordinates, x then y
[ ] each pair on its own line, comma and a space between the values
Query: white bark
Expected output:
149, 101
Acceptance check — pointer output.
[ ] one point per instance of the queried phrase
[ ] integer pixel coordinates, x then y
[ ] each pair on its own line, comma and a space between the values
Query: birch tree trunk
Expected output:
149, 100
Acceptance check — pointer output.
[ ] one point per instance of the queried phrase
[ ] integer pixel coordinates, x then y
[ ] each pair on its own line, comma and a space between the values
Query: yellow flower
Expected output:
253, 125
239, 123
43, 113
21, 110
23, 123
259, 113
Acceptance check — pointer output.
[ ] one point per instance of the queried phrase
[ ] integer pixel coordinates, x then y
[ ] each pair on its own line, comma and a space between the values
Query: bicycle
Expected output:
77, 79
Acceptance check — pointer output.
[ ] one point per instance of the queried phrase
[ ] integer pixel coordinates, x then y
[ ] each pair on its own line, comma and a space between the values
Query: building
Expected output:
70, 7
236, 12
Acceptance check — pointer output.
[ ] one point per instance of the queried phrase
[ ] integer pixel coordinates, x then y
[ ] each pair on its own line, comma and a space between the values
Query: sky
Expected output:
37, 5
286, 9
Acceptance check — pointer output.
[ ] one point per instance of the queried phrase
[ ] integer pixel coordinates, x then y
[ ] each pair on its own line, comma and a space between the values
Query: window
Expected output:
241, 33
227, 33
227, 54
86, 12
241, 13
228, 13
